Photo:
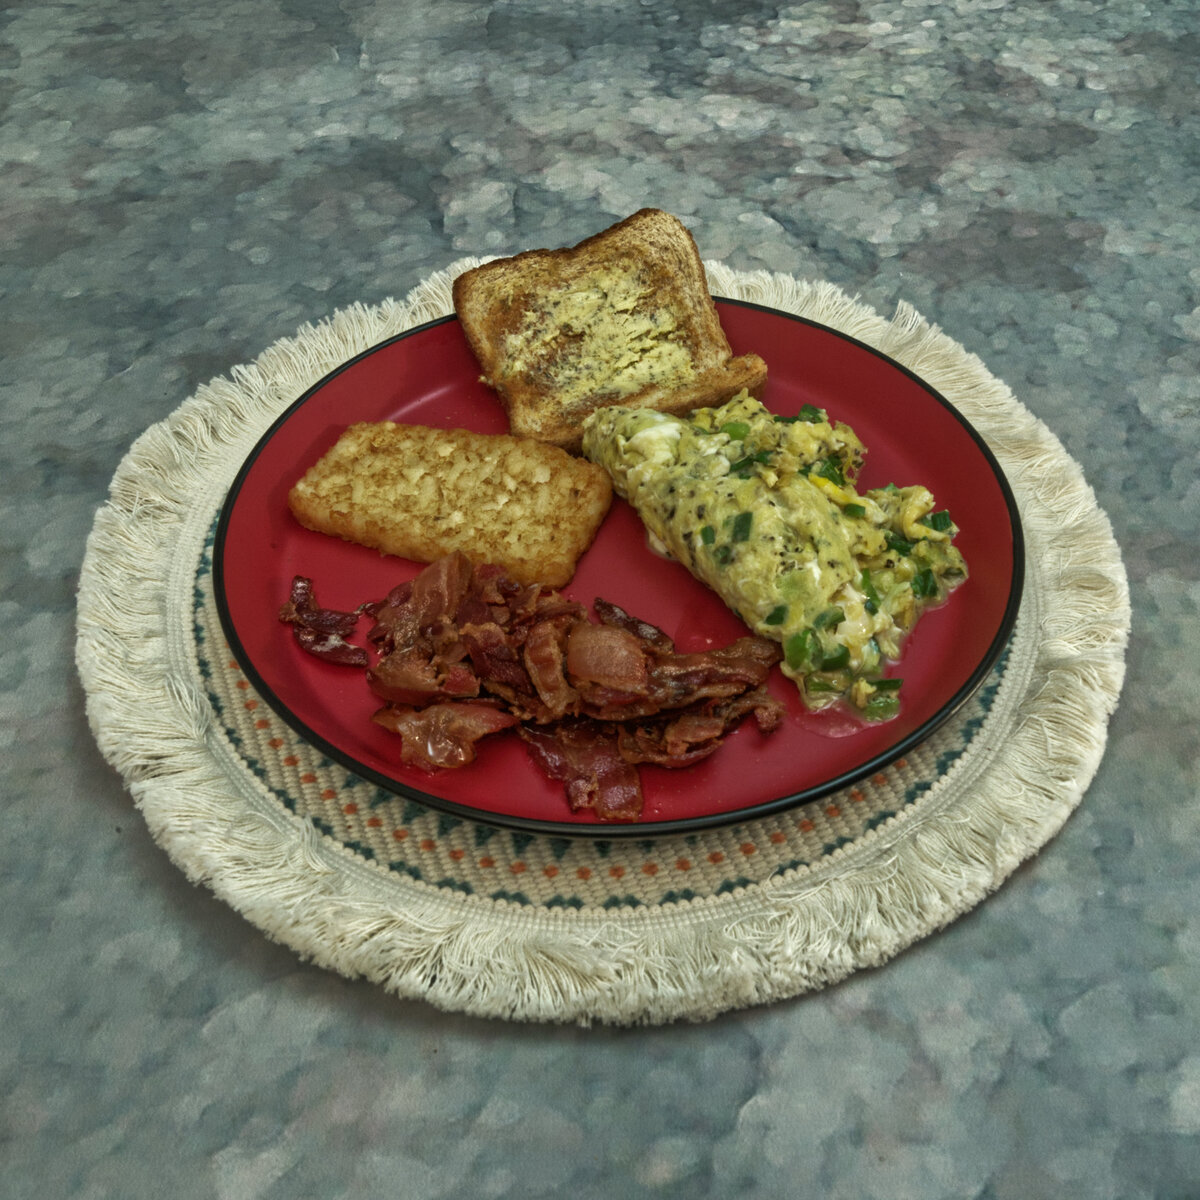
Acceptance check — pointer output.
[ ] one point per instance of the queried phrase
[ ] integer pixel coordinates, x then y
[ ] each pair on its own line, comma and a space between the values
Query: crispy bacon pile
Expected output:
462, 652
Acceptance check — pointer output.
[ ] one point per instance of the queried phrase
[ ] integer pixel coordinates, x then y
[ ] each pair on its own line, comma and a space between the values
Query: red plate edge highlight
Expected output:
429, 376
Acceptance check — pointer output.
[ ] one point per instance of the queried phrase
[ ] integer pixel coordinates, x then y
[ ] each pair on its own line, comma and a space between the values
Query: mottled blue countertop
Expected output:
182, 186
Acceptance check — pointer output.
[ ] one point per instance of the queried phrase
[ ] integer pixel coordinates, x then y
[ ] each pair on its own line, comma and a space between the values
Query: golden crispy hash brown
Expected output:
421, 492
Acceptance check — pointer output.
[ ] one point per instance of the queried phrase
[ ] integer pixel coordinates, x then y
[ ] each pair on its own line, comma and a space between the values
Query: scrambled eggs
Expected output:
764, 510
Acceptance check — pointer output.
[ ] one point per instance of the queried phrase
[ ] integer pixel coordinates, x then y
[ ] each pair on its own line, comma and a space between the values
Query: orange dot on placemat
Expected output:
250, 705
427, 844
290, 761
748, 848
584, 873
400, 834
833, 811
649, 868
716, 857
374, 822
242, 685
261, 723
458, 855
517, 868
805, 826
616, 872
683, 864
857, 796
778, 838
550, 872
349, 809
487, 861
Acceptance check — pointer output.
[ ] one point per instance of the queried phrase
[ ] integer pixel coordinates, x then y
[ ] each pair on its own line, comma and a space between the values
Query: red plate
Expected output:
428, 376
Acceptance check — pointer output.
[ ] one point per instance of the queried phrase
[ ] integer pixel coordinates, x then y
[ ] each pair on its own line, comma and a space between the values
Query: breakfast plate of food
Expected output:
600, 555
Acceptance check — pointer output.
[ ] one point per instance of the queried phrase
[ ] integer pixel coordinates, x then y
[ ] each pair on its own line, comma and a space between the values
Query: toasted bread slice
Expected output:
421, 493
624, 317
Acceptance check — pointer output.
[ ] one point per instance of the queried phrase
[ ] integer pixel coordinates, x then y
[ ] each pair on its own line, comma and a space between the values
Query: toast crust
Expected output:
623, 317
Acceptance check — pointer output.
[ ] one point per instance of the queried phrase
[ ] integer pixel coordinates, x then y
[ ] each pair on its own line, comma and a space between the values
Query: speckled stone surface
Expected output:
182, 185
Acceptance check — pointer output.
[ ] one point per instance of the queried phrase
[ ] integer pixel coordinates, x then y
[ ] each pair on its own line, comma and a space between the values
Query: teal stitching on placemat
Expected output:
984, 700
412, 809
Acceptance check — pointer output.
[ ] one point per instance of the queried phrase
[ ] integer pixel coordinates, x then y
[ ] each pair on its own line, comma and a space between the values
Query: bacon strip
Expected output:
682, 739
322, 632
442, 736
464, 652
608, 656
585, 757
546, 661
612, 614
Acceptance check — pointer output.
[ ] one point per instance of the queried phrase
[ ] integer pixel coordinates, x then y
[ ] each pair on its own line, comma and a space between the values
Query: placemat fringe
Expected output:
692, 958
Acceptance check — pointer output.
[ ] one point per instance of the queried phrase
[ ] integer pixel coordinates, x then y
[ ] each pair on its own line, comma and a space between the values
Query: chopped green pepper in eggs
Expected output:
764, 510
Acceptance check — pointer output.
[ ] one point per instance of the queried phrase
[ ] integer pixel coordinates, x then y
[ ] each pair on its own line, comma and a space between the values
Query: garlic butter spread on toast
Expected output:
623, 317
616, 339
764, 510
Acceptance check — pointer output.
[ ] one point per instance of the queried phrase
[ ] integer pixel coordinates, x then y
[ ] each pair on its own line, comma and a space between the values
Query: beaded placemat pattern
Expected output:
480, 919
475, 858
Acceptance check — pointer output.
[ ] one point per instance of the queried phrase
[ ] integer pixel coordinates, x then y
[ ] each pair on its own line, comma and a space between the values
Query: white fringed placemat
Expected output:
526, 927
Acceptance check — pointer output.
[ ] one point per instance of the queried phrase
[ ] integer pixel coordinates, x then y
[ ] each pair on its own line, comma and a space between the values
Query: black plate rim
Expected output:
650, 829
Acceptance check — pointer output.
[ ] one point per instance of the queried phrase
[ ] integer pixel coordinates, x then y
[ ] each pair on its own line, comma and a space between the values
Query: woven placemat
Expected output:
510, 924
